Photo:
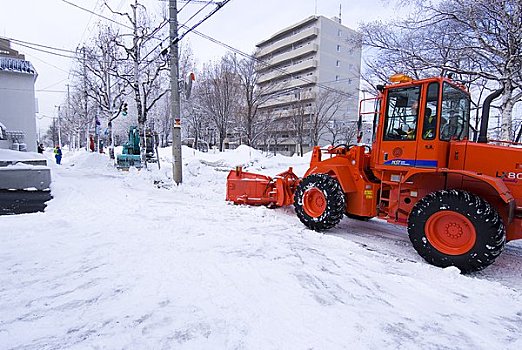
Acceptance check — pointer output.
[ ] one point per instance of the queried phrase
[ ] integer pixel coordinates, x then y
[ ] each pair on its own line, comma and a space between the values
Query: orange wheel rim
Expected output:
314, 202
450, 233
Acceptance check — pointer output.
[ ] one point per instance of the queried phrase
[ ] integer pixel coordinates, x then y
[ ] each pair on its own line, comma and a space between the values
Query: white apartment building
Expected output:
300, 63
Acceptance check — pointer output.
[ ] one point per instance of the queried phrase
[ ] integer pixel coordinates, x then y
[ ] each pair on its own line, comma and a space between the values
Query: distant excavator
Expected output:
131, 154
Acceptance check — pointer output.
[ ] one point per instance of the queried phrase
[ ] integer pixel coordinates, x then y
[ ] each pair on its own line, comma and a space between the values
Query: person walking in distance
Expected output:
58, 154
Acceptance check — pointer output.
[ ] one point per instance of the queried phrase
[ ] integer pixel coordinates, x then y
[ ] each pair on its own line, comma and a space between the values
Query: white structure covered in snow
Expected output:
17, 100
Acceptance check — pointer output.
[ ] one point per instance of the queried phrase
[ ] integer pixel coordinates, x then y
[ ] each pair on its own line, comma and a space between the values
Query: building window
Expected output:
338, 63
338, 48
339, 33
336, 78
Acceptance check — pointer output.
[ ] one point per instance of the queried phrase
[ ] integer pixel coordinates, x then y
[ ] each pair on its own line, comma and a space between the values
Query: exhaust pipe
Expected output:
483, 135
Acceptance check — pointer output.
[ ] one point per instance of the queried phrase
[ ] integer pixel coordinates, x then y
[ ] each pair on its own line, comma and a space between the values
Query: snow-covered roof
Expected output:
16, 65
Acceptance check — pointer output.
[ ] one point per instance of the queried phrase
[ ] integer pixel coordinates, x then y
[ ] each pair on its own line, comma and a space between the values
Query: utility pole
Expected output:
141, 118
54, 132
86, 97
67, 116
174, 90
109, 101
59, 127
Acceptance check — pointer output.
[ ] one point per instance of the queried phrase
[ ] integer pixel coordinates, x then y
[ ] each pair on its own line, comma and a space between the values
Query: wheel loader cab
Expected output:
417, 121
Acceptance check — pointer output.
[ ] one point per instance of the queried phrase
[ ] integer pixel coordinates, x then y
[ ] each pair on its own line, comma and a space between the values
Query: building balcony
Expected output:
295, 83
288, 100
287, 41
287, 56
305, 65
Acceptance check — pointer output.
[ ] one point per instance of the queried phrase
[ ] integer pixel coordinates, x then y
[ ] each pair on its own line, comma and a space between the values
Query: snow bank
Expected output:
10, 155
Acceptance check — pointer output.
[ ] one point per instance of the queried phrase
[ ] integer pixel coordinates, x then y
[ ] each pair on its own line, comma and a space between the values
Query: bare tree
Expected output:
105, 87
143, 63
341, 132
160, 116
218, 95
74, 123
253, 96
324, 109
473, 38
298, 116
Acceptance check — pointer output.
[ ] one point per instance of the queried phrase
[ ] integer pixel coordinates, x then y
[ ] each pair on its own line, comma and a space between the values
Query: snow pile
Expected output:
129, 260
86, 160
10, 155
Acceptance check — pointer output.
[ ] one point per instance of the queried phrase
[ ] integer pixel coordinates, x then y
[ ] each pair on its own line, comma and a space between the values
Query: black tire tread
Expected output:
491, 235
335, 207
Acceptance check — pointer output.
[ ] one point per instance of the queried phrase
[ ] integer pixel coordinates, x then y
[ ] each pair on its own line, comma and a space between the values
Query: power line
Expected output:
89, 21
47, 63
184, 25
188, 2
282, 70
18, 41
37, 90
241, 53
188, 30
97, 14
119, 23
30, 45
199, 1
45, 51
43, 116
220, 5
54, 84
122, 2
197, 13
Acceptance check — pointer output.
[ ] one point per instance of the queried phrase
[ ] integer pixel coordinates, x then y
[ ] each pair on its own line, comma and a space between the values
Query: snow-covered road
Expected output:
123, 260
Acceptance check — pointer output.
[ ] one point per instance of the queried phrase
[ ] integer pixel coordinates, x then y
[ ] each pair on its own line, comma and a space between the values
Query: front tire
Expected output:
456, 228
319, 202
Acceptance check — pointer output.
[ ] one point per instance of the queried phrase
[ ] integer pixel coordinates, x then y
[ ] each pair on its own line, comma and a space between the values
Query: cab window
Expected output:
429, 125
454, 121
376, 115
402, 114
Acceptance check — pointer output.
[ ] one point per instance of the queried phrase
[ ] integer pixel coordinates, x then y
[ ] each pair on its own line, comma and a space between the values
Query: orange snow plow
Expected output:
459, 194
256, 189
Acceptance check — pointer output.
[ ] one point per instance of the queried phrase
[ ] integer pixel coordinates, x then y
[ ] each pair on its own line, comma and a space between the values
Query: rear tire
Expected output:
456, 228
319, 202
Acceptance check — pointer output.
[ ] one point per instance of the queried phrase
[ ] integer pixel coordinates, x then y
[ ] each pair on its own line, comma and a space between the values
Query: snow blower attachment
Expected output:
256, 189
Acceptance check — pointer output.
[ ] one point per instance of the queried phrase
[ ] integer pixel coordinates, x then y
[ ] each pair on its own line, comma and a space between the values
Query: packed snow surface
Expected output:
128, 260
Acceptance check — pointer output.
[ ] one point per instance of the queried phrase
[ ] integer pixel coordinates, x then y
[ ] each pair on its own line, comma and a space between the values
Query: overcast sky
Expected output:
240, 24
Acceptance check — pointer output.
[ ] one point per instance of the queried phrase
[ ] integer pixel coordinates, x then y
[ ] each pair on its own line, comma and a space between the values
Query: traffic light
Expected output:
124, 109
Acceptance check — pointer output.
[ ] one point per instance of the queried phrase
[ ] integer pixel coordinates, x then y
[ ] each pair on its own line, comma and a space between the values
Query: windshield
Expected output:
402, 114
454, 121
